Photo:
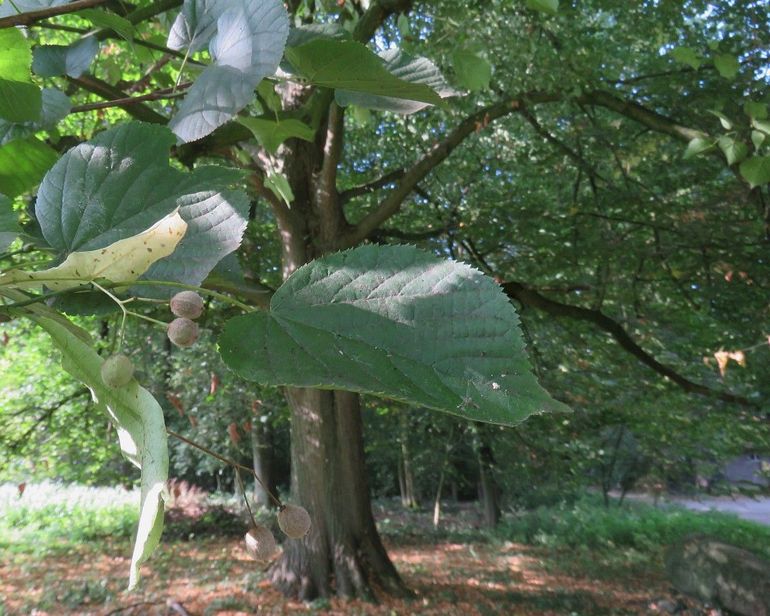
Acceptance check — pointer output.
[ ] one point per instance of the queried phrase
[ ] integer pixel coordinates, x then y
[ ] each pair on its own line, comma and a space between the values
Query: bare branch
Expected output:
436, 155
30, 17
332, 153
531, 297
133, 100
560, 145
105, 90
642, 115
364, 189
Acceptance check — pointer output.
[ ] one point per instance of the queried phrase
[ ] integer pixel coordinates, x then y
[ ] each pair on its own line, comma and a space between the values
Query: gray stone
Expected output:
722, 574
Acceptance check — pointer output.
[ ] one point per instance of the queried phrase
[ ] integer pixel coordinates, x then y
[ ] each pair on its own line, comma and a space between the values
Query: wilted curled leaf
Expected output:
722, 358
123, 261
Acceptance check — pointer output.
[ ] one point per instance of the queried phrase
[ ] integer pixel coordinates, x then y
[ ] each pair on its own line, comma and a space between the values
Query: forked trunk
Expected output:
343, 553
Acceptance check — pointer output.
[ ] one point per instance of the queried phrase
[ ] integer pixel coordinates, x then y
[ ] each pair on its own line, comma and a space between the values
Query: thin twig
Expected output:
132, 100
30, 17
227, 461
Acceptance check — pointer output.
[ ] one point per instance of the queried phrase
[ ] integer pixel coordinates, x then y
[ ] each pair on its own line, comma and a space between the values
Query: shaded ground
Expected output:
214, 576
459, 571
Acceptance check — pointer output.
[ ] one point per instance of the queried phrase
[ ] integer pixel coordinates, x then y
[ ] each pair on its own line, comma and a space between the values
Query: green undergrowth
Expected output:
643, 528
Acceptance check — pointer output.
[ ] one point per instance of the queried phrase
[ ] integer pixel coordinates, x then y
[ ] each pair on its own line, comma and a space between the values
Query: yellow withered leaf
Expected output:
123, 261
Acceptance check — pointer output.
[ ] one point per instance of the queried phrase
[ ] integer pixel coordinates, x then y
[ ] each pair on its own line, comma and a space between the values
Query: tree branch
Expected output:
30, 17
436, 155
364, 189
642, 115
105, 90
332, 153
530, 297
133, 100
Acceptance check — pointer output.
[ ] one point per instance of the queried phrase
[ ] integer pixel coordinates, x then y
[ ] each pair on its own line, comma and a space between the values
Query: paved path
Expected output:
756, 510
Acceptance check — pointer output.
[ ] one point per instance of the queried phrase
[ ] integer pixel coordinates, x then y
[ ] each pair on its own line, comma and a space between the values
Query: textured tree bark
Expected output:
408, 495
262, 459
343, 553
489, 492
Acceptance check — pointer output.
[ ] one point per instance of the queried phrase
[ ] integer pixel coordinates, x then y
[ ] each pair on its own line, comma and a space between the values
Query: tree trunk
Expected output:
343, 553
408, 496
262, 458
489, 492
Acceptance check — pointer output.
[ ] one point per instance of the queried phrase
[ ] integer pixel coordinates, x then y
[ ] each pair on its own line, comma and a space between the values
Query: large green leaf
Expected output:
139, 421
71, 60
120, 183
348, 65
408, 68
394, 321
9, 223
20, 99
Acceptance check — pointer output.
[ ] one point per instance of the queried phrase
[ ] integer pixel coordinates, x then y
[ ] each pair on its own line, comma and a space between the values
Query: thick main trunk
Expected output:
343, 553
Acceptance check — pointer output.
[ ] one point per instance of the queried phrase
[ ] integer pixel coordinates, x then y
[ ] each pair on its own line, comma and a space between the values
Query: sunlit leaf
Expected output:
348, 65
408, 68
393, 321
23, 162
20, 99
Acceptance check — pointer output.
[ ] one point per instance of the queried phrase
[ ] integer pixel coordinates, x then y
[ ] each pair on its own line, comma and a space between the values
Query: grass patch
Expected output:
640, 527
49, 517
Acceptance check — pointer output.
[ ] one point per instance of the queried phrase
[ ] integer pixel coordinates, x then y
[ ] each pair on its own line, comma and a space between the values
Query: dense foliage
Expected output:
606, 164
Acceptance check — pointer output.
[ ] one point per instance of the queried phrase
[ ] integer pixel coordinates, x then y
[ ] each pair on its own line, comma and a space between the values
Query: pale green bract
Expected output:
136, 414
398, 322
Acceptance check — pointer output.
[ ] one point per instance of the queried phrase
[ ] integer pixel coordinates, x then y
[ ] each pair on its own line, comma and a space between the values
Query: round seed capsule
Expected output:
294, 521
117, 371
187, 304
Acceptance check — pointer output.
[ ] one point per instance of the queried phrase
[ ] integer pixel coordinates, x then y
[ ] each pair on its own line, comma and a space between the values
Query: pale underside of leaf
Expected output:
123, 261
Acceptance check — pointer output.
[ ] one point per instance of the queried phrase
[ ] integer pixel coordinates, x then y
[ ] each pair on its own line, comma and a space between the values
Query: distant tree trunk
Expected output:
262, 457
406, 481
489, 492
442, 475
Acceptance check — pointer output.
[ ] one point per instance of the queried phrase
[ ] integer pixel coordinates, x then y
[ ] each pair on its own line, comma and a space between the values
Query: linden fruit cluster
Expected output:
293, 520
118, 370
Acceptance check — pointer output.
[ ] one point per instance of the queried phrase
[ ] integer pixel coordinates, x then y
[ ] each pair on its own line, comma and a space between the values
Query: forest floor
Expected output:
458, 571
